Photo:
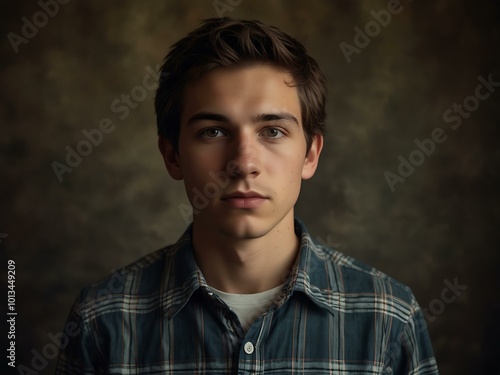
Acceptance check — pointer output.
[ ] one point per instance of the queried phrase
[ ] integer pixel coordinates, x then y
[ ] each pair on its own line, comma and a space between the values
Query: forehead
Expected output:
240, 91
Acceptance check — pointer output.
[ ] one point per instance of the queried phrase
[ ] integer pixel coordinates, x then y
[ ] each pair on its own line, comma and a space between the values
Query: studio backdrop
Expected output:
407, 182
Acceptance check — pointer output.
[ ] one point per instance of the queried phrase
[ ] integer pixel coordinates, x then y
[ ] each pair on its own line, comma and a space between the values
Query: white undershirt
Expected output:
249, 307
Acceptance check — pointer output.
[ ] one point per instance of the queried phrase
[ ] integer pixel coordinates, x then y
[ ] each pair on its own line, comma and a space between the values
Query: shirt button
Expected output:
248, 347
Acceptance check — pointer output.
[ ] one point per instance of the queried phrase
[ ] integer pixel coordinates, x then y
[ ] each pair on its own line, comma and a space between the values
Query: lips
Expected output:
240, 194
239, 199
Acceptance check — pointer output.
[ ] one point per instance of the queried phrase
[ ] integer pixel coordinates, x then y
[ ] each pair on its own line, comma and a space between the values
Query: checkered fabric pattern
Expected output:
335, 315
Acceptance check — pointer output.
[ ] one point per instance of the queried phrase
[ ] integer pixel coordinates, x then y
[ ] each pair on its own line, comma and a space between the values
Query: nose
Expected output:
244, 160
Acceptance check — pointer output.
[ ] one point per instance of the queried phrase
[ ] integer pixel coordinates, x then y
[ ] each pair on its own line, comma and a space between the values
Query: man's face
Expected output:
242, 150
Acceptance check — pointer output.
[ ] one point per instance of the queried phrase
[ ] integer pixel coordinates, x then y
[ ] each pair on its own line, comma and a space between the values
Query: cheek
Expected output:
197, 167
289, 171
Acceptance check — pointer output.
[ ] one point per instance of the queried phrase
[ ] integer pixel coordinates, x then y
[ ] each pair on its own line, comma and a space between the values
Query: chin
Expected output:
245, 227
238, 225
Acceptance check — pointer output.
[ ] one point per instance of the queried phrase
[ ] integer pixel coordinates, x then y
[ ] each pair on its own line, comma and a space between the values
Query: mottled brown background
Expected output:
119, 204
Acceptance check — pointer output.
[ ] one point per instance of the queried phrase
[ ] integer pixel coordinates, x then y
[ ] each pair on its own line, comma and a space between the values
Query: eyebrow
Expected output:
262, 117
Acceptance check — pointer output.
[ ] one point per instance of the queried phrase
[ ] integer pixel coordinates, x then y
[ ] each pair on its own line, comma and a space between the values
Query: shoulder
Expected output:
360, 275
357, 281
337, 273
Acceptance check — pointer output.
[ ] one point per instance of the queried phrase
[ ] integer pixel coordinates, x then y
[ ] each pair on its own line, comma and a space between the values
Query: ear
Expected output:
312, 157
171, 158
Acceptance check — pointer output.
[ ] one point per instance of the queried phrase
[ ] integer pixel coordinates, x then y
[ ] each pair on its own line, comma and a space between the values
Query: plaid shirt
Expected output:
334, 315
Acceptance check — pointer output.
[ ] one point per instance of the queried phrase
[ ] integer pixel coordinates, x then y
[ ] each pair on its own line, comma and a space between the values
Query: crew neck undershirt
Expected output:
249, 307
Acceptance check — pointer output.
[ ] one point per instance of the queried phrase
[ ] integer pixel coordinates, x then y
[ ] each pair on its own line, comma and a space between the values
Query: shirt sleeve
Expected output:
78, 352
412, 352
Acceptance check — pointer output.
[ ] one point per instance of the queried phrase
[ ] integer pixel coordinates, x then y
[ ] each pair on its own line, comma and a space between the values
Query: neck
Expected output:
246, 265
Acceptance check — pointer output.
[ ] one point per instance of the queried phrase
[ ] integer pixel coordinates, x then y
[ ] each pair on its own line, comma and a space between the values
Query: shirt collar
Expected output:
311, 274
181, 275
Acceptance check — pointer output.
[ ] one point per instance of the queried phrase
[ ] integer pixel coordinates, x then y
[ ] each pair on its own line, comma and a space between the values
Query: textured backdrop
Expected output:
431, 224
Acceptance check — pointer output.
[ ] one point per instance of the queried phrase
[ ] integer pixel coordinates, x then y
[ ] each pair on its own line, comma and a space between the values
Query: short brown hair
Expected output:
226, 42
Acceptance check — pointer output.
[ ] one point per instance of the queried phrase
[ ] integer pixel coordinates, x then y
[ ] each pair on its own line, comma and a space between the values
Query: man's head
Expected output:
226, 43
232, 115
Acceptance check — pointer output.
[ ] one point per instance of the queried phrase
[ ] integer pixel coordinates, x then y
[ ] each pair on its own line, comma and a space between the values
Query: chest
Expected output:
298, 338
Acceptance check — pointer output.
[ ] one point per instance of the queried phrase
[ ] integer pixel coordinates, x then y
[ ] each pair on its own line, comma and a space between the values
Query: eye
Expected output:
211, 133
273, 133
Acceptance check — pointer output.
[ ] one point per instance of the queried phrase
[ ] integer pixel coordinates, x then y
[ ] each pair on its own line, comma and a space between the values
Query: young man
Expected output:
245, 290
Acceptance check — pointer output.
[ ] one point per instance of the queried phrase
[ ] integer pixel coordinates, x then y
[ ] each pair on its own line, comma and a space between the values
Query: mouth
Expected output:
239, 199
241, 194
